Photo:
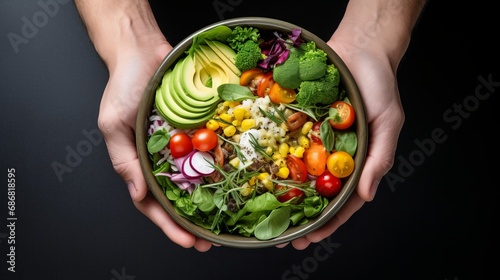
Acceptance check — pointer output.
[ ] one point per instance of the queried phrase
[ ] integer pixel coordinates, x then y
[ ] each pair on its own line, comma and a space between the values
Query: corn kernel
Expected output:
235, 162
306, 127
280, 162
276, 156
236, 123
246, 190
226, 118
246, 124
230, 131
262, 176
303, 141
283, 172
239, 113
232, 104
299, 152
252, 181
268, 184
212, 125
283, 149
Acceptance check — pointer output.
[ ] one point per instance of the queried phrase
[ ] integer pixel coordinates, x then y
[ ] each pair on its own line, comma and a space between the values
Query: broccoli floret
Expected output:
287, 73
312, 64
248, 56
240, 35
322, 91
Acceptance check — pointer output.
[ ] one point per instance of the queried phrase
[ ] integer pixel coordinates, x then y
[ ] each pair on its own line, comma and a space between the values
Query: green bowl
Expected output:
293, 232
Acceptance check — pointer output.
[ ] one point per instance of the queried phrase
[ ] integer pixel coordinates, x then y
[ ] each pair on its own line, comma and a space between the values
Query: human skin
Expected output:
126, 36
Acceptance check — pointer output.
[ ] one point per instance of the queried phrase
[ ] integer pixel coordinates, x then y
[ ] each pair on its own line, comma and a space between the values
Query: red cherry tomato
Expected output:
315, 136
285, 193
297, 167
204, 139
328, 185
344, 117
180, 145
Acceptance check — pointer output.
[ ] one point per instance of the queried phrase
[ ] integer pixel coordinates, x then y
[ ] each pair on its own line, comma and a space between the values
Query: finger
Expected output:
381, 149
155, 212
279, 246
353, 204
202, 245
301, 243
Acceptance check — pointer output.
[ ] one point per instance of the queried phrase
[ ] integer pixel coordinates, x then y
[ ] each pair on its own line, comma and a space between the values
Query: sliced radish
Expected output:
187, 170
202, 162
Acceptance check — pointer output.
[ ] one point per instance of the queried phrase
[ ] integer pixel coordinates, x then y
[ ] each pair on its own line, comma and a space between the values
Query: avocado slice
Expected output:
173, 113
183, 84
225, 53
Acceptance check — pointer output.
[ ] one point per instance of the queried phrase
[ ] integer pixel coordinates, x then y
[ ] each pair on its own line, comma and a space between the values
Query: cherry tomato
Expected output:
180, 145
345, 115
279, 94
328, 185
315, 159
265, 84
315, 136
286, 193
204, 139
297, 167
250, 75
340, 164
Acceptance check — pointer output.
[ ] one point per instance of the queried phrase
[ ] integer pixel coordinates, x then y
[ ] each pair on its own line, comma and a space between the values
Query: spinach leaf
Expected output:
346, 141
274, 225
234, 92
158, 140
203, 199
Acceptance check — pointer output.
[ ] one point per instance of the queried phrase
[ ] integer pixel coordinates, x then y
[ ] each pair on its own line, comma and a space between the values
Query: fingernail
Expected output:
373, 189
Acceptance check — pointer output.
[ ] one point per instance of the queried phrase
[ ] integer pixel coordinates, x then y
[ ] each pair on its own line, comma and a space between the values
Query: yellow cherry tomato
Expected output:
340, 164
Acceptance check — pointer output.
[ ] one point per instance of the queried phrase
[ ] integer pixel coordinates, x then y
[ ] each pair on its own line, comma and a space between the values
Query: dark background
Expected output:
435, 222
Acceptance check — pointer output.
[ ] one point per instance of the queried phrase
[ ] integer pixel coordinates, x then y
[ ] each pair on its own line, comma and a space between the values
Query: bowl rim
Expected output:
294, 232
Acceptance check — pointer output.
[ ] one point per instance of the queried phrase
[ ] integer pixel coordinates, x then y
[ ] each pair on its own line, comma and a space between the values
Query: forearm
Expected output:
118, 26
380, 25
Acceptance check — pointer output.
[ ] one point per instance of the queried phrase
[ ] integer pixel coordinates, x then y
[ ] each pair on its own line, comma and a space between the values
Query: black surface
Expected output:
434, 223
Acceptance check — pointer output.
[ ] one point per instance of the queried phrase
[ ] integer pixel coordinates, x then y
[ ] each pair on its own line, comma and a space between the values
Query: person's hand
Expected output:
117, 116
376, 80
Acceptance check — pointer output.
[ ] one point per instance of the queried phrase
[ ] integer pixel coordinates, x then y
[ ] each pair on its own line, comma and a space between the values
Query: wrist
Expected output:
121, 28
383, 27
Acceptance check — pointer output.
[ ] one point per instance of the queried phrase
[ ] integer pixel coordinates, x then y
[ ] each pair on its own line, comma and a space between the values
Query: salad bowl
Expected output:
147, 110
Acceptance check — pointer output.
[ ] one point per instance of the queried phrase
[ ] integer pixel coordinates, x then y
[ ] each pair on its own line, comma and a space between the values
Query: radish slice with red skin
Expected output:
187, 170
202, 162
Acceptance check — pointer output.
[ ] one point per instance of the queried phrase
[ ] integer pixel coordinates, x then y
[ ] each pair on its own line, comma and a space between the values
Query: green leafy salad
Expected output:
251, 131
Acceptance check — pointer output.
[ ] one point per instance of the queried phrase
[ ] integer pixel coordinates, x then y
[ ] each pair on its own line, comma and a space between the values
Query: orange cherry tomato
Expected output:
279, 94
265, 84
250, 75
340, 164
315, 159
344, 117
